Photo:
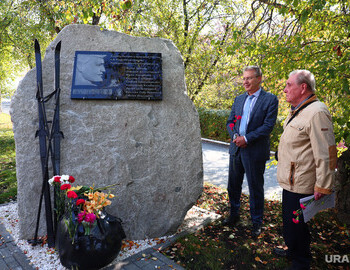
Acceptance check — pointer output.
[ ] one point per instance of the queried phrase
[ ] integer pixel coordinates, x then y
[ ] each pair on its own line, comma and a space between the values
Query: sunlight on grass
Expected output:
8, 181
5, 121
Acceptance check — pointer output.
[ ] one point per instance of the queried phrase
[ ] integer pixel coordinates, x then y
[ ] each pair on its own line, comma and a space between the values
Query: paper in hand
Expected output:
313, 208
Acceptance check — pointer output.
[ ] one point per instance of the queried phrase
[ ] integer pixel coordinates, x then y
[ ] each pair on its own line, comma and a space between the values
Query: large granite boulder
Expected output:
152, 149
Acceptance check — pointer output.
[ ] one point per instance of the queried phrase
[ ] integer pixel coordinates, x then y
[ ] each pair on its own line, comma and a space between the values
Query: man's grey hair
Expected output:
256, 69
305, 76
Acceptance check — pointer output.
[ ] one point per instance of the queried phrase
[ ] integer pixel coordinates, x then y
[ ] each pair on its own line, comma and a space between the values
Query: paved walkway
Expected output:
5, 106
215, 165
11, 256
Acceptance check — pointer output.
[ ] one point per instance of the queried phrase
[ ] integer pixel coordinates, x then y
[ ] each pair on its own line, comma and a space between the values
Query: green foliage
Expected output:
20, 23
8, 181
313, 35
276, 133
213, 124
191, 25
216, 39
23, 21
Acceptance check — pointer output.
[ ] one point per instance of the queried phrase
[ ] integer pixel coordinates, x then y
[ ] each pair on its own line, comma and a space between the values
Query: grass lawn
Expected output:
221, 247
8, 183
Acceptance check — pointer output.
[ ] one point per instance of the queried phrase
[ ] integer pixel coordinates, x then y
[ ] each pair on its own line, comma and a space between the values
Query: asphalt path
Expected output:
215, 166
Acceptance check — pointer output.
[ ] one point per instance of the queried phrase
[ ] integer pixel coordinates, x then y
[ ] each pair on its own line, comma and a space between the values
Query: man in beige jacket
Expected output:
306, 161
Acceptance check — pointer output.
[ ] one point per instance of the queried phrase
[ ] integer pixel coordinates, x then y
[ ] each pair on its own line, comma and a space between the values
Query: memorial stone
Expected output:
151, 147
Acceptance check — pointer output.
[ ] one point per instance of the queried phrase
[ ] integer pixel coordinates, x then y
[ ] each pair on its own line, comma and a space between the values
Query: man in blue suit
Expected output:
250, 123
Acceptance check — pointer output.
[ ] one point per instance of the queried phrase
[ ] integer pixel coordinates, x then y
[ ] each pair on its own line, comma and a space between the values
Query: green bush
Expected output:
213, 126
276, 133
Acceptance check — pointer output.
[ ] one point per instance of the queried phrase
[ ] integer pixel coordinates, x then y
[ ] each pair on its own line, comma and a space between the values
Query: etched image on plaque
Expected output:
117, 75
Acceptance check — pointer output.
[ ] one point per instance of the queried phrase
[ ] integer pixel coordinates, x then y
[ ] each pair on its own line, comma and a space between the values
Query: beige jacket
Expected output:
307, 154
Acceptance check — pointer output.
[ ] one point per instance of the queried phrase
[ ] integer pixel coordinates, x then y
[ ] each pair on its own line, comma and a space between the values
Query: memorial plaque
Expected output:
117, 75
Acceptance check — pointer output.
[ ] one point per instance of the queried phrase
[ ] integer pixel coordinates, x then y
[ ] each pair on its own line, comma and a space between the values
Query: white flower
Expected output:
51, 181
64, 179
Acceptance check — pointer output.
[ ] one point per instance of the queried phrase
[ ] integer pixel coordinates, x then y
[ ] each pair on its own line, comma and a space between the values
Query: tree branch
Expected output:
209, 70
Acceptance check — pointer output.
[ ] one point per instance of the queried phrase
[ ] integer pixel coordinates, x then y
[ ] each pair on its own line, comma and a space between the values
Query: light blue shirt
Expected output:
256, 95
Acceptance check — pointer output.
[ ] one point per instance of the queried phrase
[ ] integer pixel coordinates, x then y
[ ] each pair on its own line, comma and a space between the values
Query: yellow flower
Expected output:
97, 200
76, 188
89, 195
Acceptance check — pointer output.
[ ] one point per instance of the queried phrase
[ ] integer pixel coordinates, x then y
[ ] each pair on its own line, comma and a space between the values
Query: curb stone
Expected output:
149, 258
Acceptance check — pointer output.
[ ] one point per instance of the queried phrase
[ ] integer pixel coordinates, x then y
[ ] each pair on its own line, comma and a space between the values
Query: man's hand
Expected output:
240, 142
318, 195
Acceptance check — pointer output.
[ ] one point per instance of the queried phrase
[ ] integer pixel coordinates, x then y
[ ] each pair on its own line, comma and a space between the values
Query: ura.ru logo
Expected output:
337, 259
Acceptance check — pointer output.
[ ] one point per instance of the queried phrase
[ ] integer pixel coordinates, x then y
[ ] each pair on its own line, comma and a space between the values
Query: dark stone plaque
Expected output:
117, 75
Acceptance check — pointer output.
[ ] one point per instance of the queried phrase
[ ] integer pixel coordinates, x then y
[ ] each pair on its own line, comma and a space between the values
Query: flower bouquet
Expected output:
298, 213
87, 236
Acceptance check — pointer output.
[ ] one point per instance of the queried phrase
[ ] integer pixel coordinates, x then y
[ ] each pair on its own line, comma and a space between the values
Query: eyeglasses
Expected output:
249, 78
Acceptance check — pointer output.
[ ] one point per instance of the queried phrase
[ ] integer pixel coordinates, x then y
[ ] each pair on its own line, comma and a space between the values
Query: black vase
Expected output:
92, 251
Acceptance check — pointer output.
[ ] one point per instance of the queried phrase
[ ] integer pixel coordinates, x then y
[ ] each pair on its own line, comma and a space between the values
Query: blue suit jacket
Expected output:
261, 122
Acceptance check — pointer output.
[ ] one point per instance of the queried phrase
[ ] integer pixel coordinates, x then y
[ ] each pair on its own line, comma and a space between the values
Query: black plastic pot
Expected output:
93, 251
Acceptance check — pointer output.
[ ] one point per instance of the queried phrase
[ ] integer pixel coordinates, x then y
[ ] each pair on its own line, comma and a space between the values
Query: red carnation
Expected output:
90, 218
231, 125
72, 195
296, 220
71, 179
80, 201
65, 186
57, 179
238, 117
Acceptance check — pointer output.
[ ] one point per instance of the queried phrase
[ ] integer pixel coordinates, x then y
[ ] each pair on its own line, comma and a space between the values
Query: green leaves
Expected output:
345, 83
216, 39
127, 4
304, 15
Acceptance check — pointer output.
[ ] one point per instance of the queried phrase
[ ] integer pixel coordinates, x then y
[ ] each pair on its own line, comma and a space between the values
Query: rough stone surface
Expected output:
152, 149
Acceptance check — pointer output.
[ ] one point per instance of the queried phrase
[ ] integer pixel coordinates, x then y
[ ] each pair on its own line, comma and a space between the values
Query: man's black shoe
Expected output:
280, 252
231, 221
256, 229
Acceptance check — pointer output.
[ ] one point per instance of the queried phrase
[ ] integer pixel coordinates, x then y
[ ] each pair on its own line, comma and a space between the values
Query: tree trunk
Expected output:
342, 180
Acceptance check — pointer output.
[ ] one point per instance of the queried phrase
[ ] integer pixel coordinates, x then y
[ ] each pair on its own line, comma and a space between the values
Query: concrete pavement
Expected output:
5, 106
215, 165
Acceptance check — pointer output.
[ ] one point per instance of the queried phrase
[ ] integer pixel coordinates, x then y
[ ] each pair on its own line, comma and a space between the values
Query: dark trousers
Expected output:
296, 236
254, 170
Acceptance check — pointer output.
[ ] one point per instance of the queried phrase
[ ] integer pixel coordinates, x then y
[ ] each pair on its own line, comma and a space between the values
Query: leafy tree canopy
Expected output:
315, 35
216, 39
